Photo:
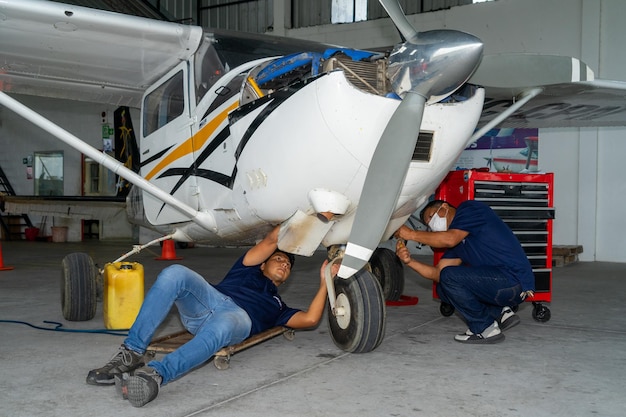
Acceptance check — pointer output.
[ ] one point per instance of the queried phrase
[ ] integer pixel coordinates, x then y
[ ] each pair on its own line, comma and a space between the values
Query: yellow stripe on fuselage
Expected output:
194, 143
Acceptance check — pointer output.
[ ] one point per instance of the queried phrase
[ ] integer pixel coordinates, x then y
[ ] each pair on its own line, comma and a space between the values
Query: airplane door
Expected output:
166, 145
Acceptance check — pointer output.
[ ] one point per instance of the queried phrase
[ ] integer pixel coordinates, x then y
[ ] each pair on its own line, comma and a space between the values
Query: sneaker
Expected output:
125, 360
491, 334
508, 319
143, 386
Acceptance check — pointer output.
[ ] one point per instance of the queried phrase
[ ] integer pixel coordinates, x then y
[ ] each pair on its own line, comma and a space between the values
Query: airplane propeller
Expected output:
426, 68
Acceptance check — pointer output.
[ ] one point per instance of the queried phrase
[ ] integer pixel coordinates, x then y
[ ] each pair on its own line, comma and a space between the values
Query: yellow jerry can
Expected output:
123, 294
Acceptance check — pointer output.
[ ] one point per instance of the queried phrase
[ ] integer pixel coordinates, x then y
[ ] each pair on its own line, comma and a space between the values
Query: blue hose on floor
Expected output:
59, 328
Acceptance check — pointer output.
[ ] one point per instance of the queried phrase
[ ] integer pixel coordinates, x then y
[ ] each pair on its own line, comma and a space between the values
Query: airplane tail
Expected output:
126, 149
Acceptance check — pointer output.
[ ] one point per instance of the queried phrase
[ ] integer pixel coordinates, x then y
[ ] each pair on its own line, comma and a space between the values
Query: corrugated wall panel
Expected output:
310, 12
245, 16
376, 11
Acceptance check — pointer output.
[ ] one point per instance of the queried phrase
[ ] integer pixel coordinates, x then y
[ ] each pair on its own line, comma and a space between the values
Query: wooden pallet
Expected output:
221, 360
565, 254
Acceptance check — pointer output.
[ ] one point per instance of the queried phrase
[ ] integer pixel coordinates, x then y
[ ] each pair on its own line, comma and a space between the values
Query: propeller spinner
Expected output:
426, 68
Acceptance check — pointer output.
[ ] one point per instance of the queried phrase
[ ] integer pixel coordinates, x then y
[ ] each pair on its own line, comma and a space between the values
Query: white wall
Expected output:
19, 139
590, 192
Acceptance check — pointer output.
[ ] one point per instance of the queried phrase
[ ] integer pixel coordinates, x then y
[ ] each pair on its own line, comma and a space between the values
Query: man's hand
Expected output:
403, 252
404, 233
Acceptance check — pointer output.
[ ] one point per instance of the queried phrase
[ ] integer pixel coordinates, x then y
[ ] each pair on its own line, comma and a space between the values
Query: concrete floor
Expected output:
571, 365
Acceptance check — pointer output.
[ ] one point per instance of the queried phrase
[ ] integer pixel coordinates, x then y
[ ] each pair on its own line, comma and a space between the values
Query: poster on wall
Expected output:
503, 150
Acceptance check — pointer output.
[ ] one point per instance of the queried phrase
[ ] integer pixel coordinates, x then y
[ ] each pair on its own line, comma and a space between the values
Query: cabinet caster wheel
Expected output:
446, 309
541, 313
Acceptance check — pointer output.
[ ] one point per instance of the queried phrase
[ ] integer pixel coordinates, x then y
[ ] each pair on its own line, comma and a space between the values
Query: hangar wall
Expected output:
589, 190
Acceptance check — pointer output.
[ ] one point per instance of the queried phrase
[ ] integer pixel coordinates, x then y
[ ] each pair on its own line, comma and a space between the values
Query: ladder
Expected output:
13, 226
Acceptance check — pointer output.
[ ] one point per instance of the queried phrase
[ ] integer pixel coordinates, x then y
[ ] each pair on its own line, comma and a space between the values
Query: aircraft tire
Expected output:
389, 271
78, 287
362, 328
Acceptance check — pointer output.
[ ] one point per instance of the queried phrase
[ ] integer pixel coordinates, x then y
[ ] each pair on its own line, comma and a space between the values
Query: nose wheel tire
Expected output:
358, 324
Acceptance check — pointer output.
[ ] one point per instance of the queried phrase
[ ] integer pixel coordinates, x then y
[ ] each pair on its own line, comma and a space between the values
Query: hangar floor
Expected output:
570, 365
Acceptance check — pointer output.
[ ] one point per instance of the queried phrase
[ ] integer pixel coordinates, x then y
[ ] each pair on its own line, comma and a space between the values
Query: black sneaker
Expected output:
508, 319
491, 334
143, 386
125, 360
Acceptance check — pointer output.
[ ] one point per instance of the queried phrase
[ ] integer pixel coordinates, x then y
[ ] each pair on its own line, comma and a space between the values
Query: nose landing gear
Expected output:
356, 312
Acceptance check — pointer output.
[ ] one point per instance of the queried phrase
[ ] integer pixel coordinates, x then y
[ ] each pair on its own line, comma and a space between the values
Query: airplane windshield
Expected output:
222, 51
237, 49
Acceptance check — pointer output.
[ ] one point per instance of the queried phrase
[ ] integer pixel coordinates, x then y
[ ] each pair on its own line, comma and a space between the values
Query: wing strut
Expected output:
525, 97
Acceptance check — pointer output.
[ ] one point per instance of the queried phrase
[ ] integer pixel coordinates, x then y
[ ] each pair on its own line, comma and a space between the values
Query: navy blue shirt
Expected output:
490, 242
257, 295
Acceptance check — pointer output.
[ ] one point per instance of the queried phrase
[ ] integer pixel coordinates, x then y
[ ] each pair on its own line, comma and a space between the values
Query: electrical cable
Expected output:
59, 328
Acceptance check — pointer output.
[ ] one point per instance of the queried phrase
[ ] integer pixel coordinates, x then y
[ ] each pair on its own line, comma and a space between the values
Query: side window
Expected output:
164, 104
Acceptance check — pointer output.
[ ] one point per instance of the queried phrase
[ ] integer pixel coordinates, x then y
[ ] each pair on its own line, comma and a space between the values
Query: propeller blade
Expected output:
395, 12
383, 183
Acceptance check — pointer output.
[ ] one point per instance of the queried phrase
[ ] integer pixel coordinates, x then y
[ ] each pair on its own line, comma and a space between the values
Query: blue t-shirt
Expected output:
490, 242
257, 295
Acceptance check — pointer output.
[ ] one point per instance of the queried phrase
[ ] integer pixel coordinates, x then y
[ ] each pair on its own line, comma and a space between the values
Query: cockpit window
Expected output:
209, 68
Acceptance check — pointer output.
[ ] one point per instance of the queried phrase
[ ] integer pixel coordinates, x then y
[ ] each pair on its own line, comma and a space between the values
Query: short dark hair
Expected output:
433, 203
292, 259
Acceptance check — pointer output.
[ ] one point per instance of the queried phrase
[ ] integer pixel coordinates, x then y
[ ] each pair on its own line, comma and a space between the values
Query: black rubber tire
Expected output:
389, 271
366, 327
78, 287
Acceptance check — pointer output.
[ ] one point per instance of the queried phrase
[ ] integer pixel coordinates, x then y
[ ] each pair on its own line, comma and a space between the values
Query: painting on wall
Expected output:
503, 150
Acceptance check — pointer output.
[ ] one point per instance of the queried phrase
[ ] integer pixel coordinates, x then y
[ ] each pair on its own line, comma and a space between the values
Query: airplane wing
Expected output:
568, 94
47, 49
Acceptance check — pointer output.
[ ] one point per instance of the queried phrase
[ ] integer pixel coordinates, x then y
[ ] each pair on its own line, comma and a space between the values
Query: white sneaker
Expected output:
491, 334
508, 319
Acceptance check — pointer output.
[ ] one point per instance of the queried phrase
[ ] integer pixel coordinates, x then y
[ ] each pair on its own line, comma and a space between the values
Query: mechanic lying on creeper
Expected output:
244, 303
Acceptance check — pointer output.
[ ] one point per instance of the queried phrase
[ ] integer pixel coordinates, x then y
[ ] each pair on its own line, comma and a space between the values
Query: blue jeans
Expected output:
478, 293
213, 318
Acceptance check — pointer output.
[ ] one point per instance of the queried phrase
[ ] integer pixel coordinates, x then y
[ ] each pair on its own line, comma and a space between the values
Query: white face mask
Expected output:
437, 223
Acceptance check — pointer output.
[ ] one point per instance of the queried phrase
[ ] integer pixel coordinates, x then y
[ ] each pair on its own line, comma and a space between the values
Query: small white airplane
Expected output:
240, 132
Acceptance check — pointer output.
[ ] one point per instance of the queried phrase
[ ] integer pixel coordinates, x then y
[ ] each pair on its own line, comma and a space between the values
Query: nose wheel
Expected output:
357, 318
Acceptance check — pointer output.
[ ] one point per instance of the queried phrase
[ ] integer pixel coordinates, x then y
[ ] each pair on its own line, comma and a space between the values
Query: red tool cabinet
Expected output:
525, 203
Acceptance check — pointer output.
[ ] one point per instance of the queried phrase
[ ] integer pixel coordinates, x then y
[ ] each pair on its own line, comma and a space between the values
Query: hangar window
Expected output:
346, 11
164, 104
48, 173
